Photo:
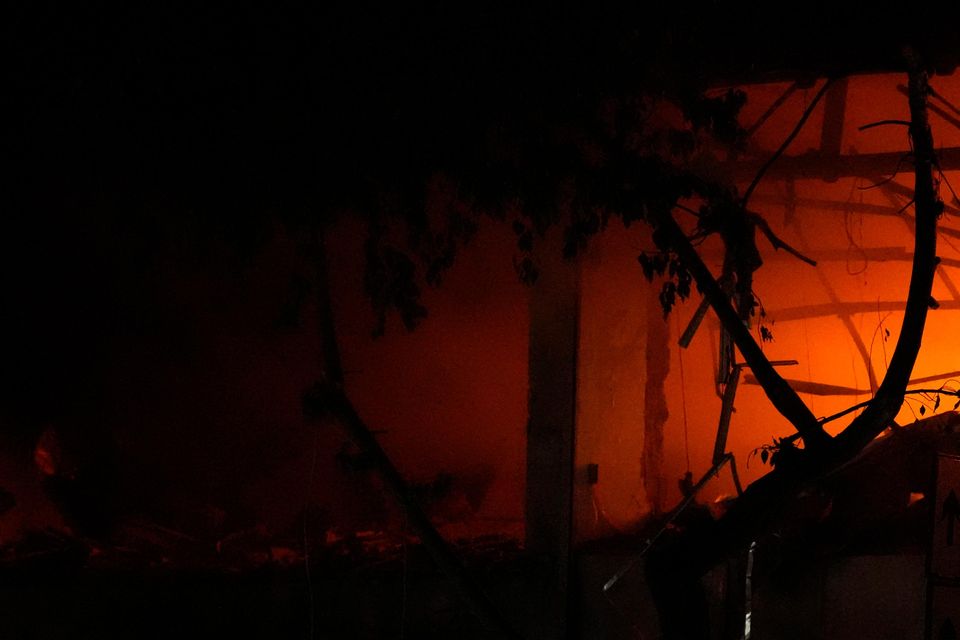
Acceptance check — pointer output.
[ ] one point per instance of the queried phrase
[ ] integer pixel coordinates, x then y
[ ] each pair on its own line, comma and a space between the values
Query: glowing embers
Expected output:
47, 453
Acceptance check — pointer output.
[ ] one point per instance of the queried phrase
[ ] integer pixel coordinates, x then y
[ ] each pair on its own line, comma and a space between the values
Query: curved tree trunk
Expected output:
675, 566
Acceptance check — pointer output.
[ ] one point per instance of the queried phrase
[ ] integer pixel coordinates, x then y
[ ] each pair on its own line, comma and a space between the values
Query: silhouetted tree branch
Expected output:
783, 397
885, 405
775, 240
786, 142
867, 403
676, 566
328, 399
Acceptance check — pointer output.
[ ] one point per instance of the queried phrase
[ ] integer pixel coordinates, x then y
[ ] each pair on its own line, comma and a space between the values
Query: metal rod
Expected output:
726, 411
694, 323
680, 508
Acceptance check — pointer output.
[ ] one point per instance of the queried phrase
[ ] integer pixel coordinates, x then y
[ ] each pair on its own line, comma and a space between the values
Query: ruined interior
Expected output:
220, 420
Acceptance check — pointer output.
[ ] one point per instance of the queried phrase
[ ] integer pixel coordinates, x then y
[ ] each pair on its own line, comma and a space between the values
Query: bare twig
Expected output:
786, 143
775, 240
692, 212
888, 179
880, 123
865, 403
949, 105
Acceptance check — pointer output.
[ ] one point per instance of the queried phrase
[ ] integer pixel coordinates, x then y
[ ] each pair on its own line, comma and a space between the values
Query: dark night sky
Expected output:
144, 137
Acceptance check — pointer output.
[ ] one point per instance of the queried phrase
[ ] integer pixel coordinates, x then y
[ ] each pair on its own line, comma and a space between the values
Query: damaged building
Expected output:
471, 323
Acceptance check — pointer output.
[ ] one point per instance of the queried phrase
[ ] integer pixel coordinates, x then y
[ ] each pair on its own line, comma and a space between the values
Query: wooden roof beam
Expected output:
817, 166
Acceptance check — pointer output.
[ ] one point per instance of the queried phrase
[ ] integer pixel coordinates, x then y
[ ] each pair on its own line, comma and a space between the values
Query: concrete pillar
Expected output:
554, 323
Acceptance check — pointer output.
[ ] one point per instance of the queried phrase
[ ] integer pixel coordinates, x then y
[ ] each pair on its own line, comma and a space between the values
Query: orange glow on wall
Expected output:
449, 400
840, 320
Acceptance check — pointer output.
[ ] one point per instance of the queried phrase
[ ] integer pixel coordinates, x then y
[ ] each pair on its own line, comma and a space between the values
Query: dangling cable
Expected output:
683, 402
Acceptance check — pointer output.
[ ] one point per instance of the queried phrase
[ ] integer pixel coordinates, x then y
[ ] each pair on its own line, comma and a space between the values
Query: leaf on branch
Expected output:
668, 296
526, 270
718, 115
681, 143
390, 283
525, 241
653, 264
646, 265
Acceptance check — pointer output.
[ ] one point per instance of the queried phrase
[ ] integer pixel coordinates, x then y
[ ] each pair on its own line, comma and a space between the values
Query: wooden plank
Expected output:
817, 166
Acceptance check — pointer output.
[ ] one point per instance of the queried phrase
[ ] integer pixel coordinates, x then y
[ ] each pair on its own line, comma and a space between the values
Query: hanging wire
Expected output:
806, 347
852, 244
683, 401
884, 337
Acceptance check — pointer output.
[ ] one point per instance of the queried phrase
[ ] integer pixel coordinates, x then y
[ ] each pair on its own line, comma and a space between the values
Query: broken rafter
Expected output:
834, 112
846, 207
785, 399
726, 412
822, 389
817, 388
873, 254
817, 166
675, 513
946, 103
911, 392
